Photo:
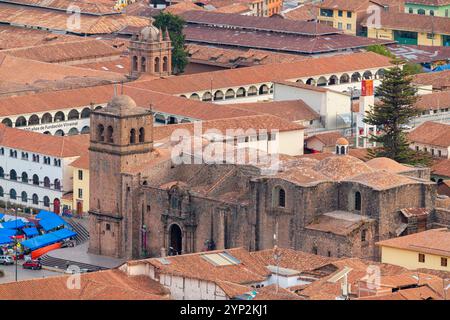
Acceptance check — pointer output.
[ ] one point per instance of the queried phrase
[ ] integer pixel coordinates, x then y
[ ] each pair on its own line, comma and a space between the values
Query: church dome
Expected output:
342, 142
121, 102
149, 33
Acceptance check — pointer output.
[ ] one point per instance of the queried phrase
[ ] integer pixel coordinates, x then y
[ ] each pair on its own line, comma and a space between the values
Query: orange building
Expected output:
274, 7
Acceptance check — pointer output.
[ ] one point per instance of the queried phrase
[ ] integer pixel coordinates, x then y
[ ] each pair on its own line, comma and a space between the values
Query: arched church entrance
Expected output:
176, 241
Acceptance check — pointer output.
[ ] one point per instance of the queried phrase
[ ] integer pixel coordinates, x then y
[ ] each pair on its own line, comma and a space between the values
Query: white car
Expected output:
6, 260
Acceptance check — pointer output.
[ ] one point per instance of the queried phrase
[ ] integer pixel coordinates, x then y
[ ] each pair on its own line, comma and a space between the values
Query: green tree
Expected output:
380, 49
174, 24
394, 111
413, 68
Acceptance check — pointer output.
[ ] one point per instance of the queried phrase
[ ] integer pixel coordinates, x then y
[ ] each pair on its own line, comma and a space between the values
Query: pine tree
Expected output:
394, 111
174, 24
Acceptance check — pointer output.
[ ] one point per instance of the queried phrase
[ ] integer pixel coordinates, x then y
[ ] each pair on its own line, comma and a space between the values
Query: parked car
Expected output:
32, 264
6, 260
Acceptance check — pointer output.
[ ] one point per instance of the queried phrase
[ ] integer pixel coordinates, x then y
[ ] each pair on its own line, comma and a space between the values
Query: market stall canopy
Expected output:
13, 224
5, 240
47, 239
8, 232
50, 220
31, 232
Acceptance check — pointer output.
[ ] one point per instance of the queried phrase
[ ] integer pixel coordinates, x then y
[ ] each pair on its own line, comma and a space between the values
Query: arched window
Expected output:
337, 149
7, 122
59, 133
207, 96
143, 64
34, 119
431, 12
252, 91
175, 202
421, 11
229, 94
21, 122
132, 136
240, 92
46, 201
344, 78
47, 118
85, 113
24, 196
279, 197
57, 184
157, 64
109, 134
141, 135
59, 116
73, 132
100, 133
85, 130
73, 115
264, 89
165, 64
24, 177
13, 175
35, 179
343, 150
357, 201
218, 95
2, 173
194, 96
47, 182
35, 199
1, 192
12, 194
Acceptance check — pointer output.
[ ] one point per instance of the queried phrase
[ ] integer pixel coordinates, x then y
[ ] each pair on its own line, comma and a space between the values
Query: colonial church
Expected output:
142, 204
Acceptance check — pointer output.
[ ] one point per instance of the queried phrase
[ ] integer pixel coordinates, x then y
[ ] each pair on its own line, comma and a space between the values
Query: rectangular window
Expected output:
443, 262
80, 174
417, 148
340, 25
430, 36
432, 152
440, 153
108, 227
349, 14
349, 26
326, 12
421, 257
80, 193
340, 13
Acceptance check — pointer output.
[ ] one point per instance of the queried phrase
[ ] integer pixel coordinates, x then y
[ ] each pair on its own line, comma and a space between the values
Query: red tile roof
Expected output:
431, 133
328, 139
439, 80
434, 241
100, 285
442, 168
434, 101
67, 146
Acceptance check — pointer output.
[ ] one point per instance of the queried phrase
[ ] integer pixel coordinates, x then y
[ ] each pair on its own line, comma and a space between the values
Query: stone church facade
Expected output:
142, 204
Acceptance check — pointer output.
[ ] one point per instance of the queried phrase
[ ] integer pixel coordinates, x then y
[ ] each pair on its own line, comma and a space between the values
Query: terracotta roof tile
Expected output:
442, 168
328, 139
439, 80
431, 133
434, 101
339, 222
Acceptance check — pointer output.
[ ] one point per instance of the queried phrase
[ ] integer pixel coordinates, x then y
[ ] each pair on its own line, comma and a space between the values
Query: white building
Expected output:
34, 168
431, 137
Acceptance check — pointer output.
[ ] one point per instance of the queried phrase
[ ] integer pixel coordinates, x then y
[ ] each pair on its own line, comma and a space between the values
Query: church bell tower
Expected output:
121, 139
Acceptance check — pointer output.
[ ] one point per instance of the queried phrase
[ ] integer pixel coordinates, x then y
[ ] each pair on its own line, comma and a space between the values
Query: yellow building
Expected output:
411, 29
428, 249
80, 201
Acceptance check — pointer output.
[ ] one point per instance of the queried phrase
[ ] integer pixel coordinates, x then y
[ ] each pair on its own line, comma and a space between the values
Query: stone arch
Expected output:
110, 134
73, 132
379, 74
47, 132
252, 91
59, 132
21, 122
194, 96
47, 118
300, 81
218, 95
100, 133
367, 75
73, 115
230, 94
132, 136
356, 77
7, 122
241, 92
333, 80
59, 116
141, 135
264, 89
311, 81
157, 64
175, 239
207, 96
33, 120
85, 113
345, 78
85, 129
322, 81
